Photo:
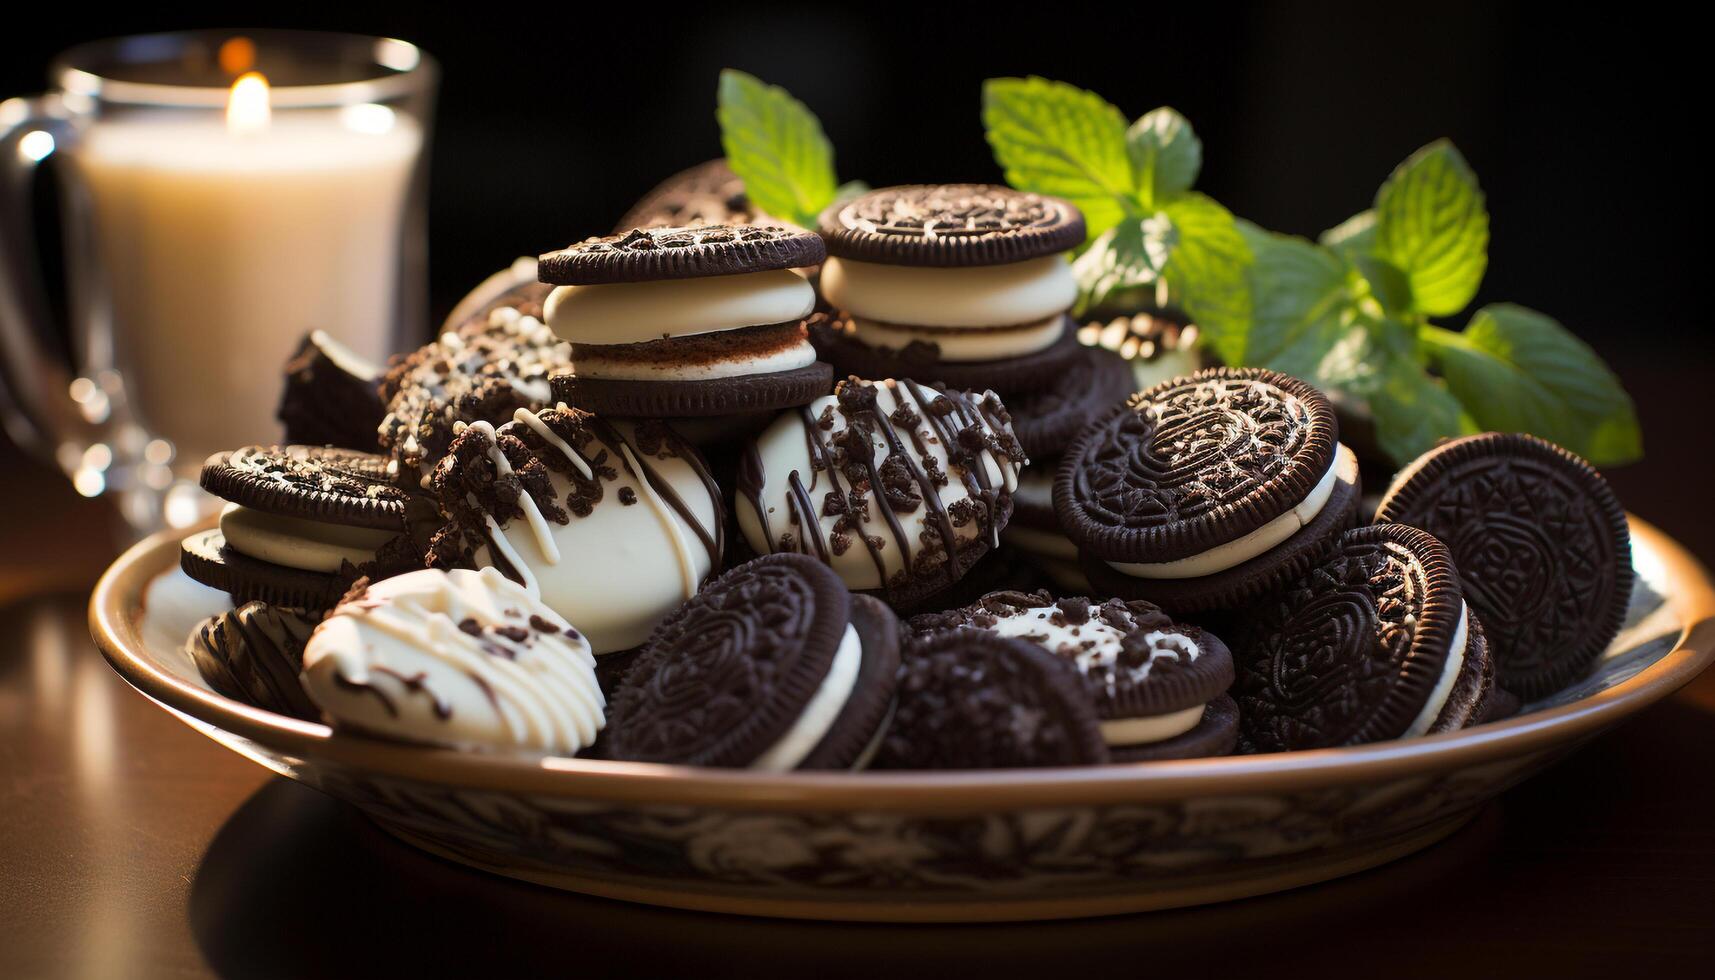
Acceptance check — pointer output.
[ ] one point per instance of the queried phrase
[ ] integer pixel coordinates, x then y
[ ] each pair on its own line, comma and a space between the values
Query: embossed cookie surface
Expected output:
951, 225
652, 254
1541, 545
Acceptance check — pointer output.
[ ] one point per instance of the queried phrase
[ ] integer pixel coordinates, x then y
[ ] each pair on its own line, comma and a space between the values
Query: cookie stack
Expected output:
543, 559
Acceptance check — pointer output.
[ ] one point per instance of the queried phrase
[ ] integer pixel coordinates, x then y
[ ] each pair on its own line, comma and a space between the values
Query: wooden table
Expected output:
132, 846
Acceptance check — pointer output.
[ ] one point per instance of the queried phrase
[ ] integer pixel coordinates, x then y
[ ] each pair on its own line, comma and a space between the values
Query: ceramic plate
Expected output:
941, 846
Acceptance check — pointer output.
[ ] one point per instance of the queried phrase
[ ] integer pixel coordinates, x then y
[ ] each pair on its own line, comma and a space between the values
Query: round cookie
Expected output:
253, 654
1206, 491
613, 524
486, 369
331, 396
1153, 682
970, 699
706, 194
1541, 544
772, 666
965, 284
900, 487
302, 523
462, 658
687, 322
1081, 391
1373, 643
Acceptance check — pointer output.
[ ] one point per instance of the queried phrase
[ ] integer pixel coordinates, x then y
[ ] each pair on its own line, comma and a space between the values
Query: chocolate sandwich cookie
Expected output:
458, 658
1374, 642
773, 666
1541, 544
253, 654
1088, 387
972, 699
1159, 687
491, 365
1205, 492
706, 194
613, 524
302, 523
687, 322
1035, 529
332, 396
898, 486
964, 284
1159, 346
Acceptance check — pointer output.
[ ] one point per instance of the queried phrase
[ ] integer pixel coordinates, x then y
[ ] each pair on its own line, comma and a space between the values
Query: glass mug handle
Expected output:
39, 398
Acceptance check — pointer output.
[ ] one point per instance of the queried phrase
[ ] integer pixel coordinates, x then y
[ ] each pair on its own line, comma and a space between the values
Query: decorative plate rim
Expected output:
114, 619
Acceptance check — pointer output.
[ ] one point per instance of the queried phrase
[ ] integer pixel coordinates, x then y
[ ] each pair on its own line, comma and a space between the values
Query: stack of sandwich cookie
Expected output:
462, 658
612, 524
331, 396
973, 699
898, 486
687, 322
1159, 687
1207, 492
1541, 544
483, 371
773, 666
302, 523
253, 654
1374, 642
963, 284
1046, 421
706, 194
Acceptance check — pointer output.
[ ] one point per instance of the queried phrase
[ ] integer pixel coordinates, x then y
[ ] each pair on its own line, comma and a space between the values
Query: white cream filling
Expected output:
401, 662
295, 542
965, 345
821, 711
1243, 549
1449, 676
634, 312
1155, 728
975, 296
589, 363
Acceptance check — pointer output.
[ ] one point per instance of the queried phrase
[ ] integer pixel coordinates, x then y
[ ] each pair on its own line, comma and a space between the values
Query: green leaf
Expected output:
1430, 223
1054, 138
1414, 411
1206, 271
1518, 370
777, 147
1299, 302
1386, 282
1165, 156
1128, 255
1355, 235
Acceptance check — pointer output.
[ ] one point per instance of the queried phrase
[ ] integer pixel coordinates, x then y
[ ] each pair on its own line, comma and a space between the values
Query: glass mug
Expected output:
224, 193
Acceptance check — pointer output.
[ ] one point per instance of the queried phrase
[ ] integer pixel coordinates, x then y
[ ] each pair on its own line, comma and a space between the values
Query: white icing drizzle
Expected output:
552, 438
681, 549
532, 513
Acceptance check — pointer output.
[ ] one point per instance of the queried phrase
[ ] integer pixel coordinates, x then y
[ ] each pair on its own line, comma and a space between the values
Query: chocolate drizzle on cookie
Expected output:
846, 481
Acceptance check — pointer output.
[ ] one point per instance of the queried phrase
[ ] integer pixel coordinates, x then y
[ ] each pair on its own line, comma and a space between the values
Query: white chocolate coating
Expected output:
1449, 676
295, 542
820, 712
975, 296
620, 570
987, 344
456, 658
634, 312
784, 451
1243, 549
588, 362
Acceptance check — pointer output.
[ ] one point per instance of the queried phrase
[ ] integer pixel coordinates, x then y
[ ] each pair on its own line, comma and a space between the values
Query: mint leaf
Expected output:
1386, 282
1054, 138
1414, 411
1430, 223
1207, 261
1165, 156
1299, 303
777, 147
1355, 235
1521, 371
1128, 255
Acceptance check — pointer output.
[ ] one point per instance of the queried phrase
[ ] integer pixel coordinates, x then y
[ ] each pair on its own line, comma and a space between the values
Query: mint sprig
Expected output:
1149, 233
776, 146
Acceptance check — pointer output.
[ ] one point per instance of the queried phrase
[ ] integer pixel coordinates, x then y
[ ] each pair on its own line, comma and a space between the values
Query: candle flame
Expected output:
247, 108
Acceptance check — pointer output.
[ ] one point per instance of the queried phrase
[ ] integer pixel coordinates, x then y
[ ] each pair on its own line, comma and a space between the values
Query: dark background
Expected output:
554, 118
